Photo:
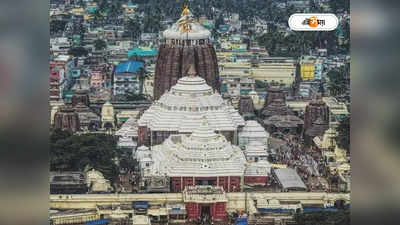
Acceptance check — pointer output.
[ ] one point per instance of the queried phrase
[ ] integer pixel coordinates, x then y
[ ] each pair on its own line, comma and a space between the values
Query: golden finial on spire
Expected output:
185, 20
185, 11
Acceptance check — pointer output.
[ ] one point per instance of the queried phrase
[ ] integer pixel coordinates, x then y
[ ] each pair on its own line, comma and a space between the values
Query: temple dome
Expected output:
186, 28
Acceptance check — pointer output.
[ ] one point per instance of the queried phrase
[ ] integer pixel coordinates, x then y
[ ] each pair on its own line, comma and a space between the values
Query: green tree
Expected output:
339, 82
323, 218
98, 18
339, 5
261, 84
70, 152
78, 52
57, 26
100, 44
343, 138
134, 28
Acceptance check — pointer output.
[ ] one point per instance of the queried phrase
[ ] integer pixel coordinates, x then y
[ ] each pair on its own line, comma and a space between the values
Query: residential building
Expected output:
127, 77
307, 68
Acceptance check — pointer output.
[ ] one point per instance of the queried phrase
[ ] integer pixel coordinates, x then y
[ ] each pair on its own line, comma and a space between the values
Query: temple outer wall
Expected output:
236, 201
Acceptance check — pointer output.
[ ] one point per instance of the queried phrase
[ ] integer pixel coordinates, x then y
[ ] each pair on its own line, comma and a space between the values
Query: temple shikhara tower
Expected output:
184, 44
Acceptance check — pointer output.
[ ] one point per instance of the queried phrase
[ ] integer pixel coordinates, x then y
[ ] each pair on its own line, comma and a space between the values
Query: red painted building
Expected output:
255, 180
216, 210
229, 184
201, 201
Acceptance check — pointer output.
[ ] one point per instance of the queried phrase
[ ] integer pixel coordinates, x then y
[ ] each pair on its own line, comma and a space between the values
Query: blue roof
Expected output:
97, 222
129, 67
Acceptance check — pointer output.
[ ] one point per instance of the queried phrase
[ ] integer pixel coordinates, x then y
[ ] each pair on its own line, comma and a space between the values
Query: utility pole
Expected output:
245, 202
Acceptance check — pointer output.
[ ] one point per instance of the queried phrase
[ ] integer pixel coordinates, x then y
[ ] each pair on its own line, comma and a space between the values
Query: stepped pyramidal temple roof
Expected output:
201, 154
254, 129
183, 108
128, 129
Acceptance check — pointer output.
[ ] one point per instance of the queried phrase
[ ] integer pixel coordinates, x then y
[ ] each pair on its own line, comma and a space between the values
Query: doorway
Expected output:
205, 214
206, 182
340, 204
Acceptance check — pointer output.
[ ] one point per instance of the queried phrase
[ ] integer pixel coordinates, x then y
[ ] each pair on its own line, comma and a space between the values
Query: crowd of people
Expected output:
307, 161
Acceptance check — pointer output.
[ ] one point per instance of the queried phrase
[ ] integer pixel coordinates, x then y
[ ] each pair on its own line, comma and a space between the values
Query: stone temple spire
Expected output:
184, 44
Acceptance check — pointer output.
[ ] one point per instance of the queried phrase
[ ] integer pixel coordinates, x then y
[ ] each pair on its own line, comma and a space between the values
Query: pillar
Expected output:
217, 180
241, 183
151, 138
235, 137
229, 183
181, 183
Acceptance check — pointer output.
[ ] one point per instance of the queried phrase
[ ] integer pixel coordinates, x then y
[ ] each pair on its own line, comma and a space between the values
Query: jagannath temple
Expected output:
184, 44
182, 109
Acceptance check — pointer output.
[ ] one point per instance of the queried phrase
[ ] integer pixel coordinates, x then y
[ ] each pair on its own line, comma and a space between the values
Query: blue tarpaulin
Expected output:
241, 221
129, 67
311, 210
97, 222
277, 210
142, 205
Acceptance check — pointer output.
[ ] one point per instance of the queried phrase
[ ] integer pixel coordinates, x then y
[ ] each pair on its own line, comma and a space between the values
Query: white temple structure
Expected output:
327, 141
201, 158
253, 139
336, 157
96, 182
253, 132
183, 108
255, 151
128, 134
107, 115
128, 129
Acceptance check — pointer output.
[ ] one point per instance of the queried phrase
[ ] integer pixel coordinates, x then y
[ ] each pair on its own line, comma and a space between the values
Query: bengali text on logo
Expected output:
313, 22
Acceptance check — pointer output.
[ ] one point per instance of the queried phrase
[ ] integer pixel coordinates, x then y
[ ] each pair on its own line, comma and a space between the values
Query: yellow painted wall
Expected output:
307, 71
